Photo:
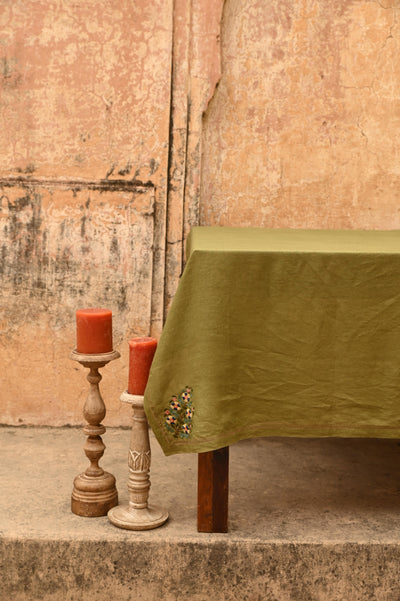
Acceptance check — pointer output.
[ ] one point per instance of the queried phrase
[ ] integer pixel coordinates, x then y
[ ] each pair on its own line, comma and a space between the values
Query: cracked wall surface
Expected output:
124, 124
84, 128
303, 130
195, 73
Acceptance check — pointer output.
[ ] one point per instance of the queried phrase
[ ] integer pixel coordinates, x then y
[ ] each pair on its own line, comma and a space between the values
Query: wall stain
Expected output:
77, 185
61, 247
126, 170
115, 255
154, 165
11, 77
29, 169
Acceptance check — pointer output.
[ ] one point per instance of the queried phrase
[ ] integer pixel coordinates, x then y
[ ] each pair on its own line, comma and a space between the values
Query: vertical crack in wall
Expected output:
196, 70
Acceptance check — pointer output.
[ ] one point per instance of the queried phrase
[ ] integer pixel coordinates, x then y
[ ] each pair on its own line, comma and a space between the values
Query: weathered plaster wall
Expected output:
84, 126
114, 141
303, 130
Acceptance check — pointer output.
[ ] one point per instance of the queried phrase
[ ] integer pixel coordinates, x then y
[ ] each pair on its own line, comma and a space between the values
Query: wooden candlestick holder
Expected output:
94, 491
138, 515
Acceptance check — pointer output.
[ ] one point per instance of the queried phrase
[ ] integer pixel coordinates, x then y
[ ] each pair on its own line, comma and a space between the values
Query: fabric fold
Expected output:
280, 333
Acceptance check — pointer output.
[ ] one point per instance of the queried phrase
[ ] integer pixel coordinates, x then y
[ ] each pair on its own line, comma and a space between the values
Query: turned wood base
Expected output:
93, 496
132, 518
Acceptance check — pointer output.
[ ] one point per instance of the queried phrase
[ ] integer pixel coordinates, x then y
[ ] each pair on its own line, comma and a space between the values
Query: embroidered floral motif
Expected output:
179, 414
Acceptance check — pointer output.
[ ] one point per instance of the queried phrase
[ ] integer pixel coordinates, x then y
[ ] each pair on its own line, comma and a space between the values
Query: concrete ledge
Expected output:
149, 570
309, 520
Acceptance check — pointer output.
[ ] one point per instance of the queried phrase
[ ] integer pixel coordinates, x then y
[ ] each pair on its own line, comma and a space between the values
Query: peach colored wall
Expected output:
84, 127
303, 130
123, 124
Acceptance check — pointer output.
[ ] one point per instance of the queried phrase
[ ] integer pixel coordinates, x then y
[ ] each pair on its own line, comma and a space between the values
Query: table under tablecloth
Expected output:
279, 333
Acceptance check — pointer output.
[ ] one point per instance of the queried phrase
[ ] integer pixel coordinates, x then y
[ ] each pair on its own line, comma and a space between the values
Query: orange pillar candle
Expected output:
141, 353
94, 331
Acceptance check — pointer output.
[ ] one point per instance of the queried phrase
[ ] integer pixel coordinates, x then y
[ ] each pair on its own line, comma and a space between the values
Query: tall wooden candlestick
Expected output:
138, 515
94, 491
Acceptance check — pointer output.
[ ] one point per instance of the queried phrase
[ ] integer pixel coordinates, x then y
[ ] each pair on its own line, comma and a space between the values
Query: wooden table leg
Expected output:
212, 491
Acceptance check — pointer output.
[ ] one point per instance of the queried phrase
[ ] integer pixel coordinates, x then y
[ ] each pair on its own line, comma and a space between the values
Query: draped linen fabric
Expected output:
279, 333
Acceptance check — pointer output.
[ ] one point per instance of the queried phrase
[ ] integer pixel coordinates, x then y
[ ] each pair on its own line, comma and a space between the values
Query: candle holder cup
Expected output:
94, 491
138, 515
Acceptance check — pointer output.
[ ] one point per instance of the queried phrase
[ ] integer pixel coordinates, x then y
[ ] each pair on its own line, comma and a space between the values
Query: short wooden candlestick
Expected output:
138, 515
94, 491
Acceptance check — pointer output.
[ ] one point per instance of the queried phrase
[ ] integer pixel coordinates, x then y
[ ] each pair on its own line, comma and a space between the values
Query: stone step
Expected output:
309, 519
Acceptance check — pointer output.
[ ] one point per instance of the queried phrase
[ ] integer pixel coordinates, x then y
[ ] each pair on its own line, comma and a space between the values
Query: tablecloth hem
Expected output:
173, 446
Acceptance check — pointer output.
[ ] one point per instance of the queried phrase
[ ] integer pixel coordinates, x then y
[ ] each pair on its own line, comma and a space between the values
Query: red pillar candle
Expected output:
94, 331
141, 353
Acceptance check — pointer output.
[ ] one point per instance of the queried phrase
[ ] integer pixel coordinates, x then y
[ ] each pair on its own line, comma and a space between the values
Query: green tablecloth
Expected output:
279, 333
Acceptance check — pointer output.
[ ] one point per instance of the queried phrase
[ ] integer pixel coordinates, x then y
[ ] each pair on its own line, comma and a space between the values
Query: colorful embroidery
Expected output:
179, 414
